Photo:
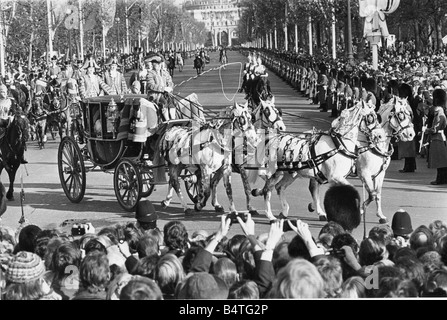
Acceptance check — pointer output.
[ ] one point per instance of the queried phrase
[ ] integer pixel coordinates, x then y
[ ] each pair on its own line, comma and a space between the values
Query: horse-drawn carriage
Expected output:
113, 143
144, 146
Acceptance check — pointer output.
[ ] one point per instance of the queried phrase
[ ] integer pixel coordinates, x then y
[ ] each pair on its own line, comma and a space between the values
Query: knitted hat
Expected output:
401, 223
24, 267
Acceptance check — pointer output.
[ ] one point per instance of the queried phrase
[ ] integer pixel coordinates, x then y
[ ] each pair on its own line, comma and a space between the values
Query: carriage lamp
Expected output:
112, 115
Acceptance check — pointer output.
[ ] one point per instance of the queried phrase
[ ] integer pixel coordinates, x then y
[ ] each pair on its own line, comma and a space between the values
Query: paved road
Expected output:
46, 204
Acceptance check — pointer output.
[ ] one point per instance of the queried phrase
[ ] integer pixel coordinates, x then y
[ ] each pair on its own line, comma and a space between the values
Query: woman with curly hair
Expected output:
176, 238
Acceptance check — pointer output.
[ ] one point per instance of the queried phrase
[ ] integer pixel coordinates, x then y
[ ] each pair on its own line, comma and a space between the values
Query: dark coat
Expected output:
437, 151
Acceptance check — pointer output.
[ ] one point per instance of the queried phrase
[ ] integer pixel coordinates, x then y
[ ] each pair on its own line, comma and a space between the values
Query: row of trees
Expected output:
124, 23
419, 20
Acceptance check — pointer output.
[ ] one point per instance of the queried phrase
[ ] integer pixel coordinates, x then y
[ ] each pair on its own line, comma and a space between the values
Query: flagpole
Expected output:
2, 48
81, 31
50, 30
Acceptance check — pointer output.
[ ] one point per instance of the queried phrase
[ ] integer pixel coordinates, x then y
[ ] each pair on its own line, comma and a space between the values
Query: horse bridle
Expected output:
265, 114
400, 117
241, 120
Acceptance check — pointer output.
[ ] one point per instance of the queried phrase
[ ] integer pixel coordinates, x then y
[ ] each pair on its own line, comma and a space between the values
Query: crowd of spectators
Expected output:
140, 261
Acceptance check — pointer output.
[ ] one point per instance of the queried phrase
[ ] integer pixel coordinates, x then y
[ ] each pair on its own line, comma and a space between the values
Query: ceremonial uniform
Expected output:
158, 81
54, 69
436, 128
331, 98
115, 79
322, 86
5, 113
90, 84
248, 69
259, 72
5, 107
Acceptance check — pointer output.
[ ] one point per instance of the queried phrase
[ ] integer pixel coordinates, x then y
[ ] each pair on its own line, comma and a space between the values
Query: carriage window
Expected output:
94, 120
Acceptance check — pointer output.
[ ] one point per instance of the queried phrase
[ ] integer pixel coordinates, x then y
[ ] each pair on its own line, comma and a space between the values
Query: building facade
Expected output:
221, 18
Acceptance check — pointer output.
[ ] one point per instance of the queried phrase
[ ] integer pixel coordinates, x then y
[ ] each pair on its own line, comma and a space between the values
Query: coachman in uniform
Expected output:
91, 85
158, 80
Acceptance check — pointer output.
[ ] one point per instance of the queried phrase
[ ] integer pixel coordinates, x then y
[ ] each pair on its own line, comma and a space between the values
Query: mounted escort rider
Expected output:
5, 115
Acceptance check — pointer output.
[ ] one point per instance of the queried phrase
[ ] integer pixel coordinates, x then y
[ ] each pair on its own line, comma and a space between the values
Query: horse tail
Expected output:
3, 205
159, 171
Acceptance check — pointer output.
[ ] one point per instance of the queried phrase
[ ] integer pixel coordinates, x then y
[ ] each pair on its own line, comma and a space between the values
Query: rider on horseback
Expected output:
248, 75
5, 114
260, 85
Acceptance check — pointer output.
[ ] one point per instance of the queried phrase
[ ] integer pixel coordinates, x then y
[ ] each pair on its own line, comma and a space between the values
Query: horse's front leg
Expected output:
247, 189
281, 187
165, 203
205, 192
229, 190
217, 176
12, 177
314, 188
379, 183
267, 192
174, 183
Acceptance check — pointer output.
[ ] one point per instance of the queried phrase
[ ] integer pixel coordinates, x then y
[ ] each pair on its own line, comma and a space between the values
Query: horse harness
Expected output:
315, 160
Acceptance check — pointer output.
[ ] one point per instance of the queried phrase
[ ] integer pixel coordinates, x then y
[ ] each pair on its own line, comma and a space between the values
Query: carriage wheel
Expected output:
71, 169
191, 184
127, 184
147, 177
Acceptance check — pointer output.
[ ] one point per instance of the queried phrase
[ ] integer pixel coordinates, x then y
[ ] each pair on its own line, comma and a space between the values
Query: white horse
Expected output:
205, 149
374, 159
265, 118
320, 156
